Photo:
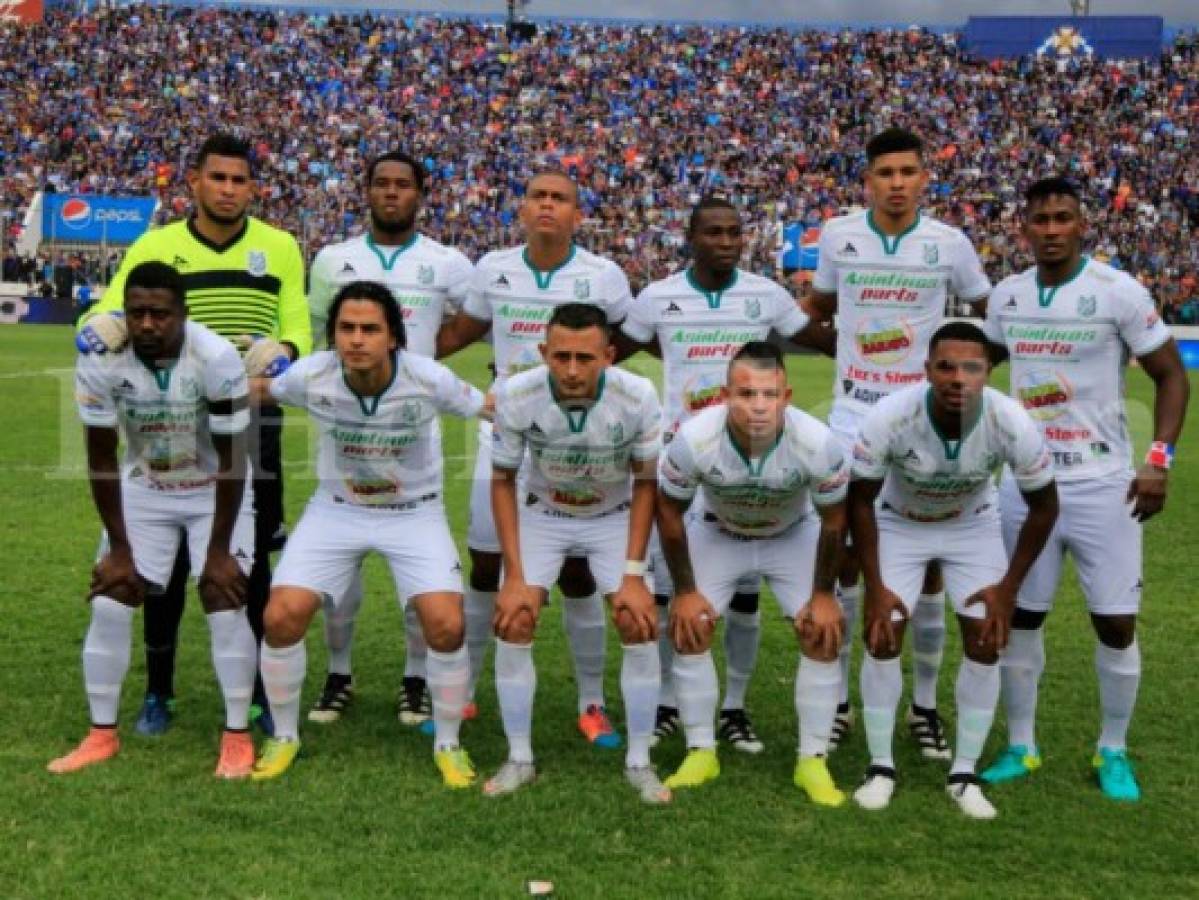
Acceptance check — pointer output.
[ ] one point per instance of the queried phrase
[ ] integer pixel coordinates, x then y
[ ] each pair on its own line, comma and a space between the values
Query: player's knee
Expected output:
814, 651
702, 644
283, 622
879, 648
485, 570
745, 603
983, 651
445, 631
575, 579
1117, 632
126, 595
518, 631
215, 600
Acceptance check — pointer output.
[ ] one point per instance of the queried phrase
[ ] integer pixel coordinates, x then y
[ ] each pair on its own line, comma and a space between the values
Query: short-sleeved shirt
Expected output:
1069, 347
429, 280
699, 331
756, 497
579, 456
379, 452
518, 300
165, 413
930, 478
891, 295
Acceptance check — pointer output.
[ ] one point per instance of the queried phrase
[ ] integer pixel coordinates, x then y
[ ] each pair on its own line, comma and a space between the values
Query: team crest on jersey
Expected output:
753, 308
1086, 305
424, 275
616, 433
189, 388
410, 412
256, 262
932, 254
582, 288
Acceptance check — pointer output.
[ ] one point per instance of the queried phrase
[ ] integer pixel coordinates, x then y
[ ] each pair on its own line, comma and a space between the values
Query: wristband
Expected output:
1160, 455
635, 567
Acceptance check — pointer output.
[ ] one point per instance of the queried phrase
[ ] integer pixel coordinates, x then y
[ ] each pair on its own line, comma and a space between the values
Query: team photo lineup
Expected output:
661, 514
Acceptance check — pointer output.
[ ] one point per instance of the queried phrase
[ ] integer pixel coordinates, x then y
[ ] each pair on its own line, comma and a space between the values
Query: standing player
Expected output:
514, 293
429, 281
1069, 325
929, 453
592, 432
761, 465
243, 278
178, 392
887, 273
380, 468
696, 320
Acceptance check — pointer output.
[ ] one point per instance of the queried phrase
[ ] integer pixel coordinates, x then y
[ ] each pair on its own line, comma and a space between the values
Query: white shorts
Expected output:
844, 422
721, 560
155, 522
328, 545
548, 537
1094, 524
970, 552
659, 571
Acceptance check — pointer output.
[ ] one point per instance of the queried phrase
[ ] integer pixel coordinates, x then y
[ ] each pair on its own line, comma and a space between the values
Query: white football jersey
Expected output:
699, 331
578, 455
518, 300
755, 497
382, 451
891, 295
164, 413
1069, 347
429, 280
929, 478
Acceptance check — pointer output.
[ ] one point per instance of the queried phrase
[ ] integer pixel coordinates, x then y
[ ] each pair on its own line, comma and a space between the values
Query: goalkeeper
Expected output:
245, 281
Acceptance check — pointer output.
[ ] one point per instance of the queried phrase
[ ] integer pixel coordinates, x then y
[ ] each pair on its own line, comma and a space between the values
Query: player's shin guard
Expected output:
106, 657
515, 686
417, 650
817, 690
640, 679
1119, 674
696, 688
848, 597
1020, 669
928, 645
584, 623
666, 695
882, 683
448, 676
742, 634
339, 625
235, 659
479, 607
977, 693
283, 670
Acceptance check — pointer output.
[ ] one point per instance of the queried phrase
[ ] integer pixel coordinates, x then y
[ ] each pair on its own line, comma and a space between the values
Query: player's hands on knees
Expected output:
516, 608
634, 612
222, 583
116, 576
820, 625
1000, 603
1147, 492
882, 604
692, 621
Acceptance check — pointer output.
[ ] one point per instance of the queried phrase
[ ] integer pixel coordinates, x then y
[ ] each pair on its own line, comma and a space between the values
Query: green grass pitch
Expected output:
363, 812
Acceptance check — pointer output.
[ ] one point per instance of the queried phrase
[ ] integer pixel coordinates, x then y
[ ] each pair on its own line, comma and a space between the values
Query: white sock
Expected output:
339, 624
696, 689
882, 683
977, 693
817, 687
848, 598
928, 645
639, 682
742, 634
106, 657
1119, 676
235, 658
479, 607
448, 676
584, 623
1020, 669
283, 670
515, 685
417, 650
666, 695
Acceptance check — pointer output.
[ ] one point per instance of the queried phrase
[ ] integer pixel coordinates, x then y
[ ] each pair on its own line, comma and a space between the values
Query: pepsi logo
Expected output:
76, 213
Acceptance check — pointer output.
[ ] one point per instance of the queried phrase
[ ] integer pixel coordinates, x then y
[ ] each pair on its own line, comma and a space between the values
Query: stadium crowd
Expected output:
647, 116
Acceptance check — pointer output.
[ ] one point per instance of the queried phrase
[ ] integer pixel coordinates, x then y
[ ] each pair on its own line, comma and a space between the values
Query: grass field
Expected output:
363, 813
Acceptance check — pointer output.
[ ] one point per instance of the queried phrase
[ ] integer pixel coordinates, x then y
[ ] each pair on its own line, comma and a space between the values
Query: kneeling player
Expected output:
380, 469
931, 452
761, 466
593, 435
178, 391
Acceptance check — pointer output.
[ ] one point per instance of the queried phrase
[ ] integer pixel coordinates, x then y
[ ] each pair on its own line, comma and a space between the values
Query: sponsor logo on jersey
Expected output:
179, 262
1047, 340
848, 250
1011, 302
702, 391
884, 343
577, 496
501, 281
424, 275
1044, 393
890, 287
348, 268
582, 288
256, 262
672, 309
1086, 306
713, 343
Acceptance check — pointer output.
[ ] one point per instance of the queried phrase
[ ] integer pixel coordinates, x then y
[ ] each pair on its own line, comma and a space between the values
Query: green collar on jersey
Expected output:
370, 405
576, 416
543, 278
162, 374
1046, 293
388, 262
755, 471
891, 244
953, 446
713, 297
